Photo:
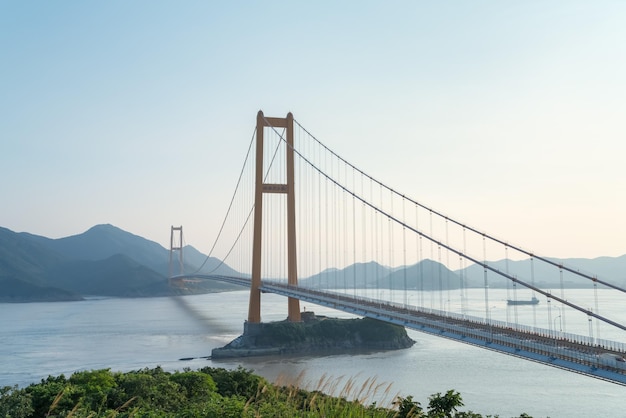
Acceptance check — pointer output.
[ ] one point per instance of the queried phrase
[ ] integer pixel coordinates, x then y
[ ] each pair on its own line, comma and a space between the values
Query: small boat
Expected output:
532, 301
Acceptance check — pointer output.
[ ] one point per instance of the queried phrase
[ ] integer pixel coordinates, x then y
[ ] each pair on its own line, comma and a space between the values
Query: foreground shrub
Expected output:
208, 392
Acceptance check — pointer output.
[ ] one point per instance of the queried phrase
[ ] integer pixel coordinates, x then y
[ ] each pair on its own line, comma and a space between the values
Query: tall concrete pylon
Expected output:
176, 246
254, 309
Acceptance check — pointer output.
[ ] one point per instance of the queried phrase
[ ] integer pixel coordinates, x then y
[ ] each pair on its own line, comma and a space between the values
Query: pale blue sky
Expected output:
509, 116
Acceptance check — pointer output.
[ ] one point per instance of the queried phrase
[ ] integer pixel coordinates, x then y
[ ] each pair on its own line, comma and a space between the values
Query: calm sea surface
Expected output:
41, 339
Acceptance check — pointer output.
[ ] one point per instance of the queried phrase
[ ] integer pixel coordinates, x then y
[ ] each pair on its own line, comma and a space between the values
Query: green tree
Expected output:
96, 386
196, 385
408, 408
444, 405
151, 388
53, 394
239, 382
15, 403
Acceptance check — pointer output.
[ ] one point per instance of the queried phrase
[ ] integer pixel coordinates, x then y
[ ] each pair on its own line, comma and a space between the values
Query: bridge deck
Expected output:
578, 355
575, 353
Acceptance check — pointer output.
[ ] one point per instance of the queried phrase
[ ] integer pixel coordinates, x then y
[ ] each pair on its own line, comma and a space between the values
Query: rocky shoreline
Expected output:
315, 334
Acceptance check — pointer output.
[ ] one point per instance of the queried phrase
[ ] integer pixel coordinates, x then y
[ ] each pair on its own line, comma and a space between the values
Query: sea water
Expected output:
41, 339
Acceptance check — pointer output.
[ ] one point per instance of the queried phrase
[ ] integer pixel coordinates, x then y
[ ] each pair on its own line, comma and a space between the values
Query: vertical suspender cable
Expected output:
404, 268
463, 284
440, 279
417, 249
299, 190
326, 229
363, 238
486, 283
595, 297
335, 226
532, 281
448, 267
374, 240
432, 260
515, 305
421, 272
354, 234
508, 282
391, 260
332, 218
345, 232
381, 235
562, 297
319, 219
549, 314
461, 280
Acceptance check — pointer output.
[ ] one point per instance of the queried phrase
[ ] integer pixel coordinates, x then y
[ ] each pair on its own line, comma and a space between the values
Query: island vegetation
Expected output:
315, 334
208, 392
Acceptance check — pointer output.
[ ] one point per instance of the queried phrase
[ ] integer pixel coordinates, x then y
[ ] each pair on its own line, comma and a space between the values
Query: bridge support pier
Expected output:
254, 308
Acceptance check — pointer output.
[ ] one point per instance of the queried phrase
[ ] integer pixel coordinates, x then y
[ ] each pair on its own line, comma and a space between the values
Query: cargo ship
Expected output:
532, 301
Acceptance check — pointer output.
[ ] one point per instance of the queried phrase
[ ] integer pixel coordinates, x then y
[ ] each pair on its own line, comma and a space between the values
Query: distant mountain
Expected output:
426, 275
25, 259
360, 275
103, 241
117, 275
431, 275
103, 261
609, 269
108, 261
23, 264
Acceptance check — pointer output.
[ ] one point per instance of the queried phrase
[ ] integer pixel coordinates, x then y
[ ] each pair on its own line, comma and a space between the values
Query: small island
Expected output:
315, 334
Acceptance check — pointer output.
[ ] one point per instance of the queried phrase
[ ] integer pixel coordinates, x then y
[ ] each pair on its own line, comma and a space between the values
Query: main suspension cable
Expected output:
499, 241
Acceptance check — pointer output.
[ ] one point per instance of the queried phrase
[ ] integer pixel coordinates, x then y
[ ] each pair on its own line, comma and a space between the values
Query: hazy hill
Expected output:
360, 275
103, 241
431, 275
425, 275
103, 261
23, 264
610, 269
25, 258
117, 275
108, 261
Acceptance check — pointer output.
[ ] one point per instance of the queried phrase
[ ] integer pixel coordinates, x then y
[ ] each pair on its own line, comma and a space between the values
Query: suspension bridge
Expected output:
307, 224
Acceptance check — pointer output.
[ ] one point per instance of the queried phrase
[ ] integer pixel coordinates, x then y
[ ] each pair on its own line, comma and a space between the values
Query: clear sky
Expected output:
510, 116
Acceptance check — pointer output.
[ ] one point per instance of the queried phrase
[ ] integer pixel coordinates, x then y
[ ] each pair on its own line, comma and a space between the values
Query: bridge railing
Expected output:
557, 336
600, 362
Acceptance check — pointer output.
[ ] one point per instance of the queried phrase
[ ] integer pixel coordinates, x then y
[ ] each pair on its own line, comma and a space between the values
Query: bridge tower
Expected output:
176, 246
254, 309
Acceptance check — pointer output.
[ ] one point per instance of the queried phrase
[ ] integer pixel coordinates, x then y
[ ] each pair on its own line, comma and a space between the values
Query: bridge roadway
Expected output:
601, 359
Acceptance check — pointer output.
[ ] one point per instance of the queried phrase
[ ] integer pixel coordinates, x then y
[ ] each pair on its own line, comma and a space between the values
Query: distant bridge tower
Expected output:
176, 246
254, 309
